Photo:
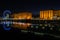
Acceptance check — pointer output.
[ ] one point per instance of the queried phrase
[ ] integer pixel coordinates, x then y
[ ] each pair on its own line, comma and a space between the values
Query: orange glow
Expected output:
57, 12
23, 15
21, 25
41, 15
46, 15
50, 14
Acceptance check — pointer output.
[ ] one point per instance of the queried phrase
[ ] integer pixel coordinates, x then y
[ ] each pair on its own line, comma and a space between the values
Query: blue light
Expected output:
6, 24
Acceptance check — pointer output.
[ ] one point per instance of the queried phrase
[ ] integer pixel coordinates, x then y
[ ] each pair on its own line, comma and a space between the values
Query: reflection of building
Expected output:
50, 14
20, 16
20, 25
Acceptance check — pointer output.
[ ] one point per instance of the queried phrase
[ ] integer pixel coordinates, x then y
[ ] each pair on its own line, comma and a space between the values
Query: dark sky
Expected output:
29, 5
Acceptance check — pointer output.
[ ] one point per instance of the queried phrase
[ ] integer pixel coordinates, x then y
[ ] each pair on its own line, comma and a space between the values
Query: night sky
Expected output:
29, 5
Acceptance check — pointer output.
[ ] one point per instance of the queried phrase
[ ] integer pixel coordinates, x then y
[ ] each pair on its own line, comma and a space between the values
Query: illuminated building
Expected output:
22, 15
46, 15
49, 14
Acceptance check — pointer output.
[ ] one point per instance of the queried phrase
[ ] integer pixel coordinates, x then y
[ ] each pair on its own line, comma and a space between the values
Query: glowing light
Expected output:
46, 15
6, 15
21, 25
23, 15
